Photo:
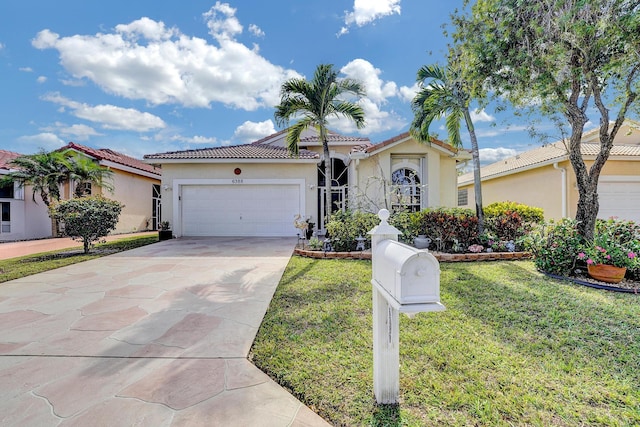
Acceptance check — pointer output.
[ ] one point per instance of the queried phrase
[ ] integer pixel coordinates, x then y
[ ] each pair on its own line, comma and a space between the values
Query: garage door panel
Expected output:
239, 210
619, 199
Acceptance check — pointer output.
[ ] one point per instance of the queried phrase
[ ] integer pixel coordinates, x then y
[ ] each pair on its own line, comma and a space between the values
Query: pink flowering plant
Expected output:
615, 243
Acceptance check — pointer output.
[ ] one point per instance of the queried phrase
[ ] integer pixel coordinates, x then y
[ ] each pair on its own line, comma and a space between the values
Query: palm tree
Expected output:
43, 171
443, 93
83, 170
314, 102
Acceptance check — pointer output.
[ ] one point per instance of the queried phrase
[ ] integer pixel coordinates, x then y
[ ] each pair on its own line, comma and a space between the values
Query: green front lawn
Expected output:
14, 268
513, 348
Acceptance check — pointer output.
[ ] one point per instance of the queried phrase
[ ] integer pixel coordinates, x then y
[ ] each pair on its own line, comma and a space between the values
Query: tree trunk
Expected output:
327, 176
477, 184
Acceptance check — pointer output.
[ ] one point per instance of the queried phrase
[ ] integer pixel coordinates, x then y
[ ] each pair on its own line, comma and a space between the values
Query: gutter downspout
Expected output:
563, 174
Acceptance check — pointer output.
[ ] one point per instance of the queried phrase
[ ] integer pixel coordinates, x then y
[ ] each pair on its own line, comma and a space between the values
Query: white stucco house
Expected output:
258, 189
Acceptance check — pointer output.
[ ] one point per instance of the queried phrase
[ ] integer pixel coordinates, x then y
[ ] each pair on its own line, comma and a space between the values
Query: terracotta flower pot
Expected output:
606, 273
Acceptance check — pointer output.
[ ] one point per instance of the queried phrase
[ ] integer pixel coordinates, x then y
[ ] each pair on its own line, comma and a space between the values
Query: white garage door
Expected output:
619, 199
239, 210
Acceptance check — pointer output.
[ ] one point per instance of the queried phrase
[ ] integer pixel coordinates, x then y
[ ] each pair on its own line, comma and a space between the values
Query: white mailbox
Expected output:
409, 275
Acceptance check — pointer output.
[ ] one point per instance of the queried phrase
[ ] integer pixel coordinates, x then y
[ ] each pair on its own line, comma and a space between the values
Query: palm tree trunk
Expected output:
328, 174
475, 154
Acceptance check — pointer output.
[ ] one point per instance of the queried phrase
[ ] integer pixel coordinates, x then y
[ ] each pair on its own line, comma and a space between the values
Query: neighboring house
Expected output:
544, 177
21, 217
258, 189
136, 185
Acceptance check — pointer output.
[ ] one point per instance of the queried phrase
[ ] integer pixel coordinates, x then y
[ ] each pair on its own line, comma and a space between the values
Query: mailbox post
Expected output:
405, 280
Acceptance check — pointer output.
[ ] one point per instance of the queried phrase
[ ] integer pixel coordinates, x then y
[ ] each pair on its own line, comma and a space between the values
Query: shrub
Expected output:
345, 227
407, 223
87, 219
529, 214
450, 229
555, 246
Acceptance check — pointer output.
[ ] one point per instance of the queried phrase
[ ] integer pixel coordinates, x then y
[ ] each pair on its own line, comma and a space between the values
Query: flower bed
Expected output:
440, 256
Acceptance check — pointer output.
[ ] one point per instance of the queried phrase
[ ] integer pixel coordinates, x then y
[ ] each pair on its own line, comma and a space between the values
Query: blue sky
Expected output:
143, 76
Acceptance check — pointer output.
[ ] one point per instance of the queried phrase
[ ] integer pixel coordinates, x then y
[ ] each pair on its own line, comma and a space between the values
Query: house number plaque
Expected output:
236, 181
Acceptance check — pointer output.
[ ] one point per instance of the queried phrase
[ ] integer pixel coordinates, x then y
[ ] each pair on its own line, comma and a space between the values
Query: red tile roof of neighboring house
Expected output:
6, 157
244, 151
114, 156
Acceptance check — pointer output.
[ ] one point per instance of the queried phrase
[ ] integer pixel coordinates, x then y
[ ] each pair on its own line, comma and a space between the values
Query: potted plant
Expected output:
165, 232
608, 261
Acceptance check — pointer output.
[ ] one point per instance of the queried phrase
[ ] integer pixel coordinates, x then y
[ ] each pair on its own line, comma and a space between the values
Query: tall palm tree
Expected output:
313, 103
444, 93
43, 171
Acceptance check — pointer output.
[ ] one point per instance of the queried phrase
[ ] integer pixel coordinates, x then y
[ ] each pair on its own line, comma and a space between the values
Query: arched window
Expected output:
406, 190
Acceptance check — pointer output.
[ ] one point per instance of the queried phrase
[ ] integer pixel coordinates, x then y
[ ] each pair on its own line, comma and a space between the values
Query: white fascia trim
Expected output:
114, 165
225, 161
178, 183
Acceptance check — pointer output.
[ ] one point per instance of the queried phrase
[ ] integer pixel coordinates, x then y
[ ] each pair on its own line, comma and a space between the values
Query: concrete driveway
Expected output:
156, 336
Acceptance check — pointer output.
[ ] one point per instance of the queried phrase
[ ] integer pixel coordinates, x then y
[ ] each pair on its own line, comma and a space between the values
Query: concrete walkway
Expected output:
155, 336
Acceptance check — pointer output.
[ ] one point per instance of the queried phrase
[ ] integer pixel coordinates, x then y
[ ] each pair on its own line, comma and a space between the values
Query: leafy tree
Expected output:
444, 92
564, 57
313, 103
87, 219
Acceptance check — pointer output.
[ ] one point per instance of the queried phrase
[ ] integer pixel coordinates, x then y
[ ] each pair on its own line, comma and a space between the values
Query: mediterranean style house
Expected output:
259, 189
543, 177
136, 185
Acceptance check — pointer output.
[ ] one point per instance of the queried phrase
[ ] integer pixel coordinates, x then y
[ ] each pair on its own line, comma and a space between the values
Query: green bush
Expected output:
345, 227
528, 214
555, 246
87, 219
450, 229
407, 223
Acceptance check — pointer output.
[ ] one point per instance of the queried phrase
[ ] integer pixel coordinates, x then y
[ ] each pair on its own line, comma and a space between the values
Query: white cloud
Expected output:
41, 79
376, 120
367, 11
146, 60
26, 69
377, 90
252, 131
255, 30
76, 132
408, 93
197, 139
492, 155
110, 116
377, 93
481, 116
45, 140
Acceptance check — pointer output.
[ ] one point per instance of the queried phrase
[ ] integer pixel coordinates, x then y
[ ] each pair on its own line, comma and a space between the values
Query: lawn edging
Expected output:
440, 256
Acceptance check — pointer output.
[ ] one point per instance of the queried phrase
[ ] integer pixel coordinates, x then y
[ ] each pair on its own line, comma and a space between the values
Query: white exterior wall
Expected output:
135, 193
29, 220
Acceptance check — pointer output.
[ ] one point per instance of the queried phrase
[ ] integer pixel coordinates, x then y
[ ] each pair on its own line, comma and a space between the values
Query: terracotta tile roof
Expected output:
544, 155
367, 148
6, 157
114, 156
244, 151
